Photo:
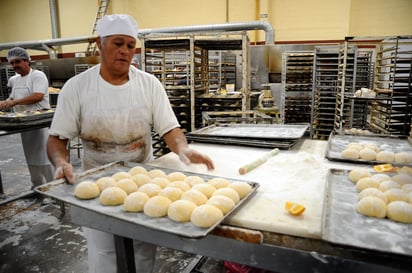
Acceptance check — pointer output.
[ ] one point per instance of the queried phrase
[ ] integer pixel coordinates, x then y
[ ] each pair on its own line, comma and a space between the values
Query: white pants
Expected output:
102, 253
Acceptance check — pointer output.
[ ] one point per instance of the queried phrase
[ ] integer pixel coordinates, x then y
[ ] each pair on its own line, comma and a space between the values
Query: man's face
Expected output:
20, 66
117, 52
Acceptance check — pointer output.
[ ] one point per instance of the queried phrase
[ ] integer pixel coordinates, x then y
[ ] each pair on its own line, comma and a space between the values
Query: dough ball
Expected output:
193, 179
206, 216
402, 179
179, 184
366, 182
181, 210
172, 193
350, 153
407, 188
387, 185
176, 176
127, 184
135, 201
228, 192
195, 196
218, 182
403, 157
400, 211
120, 175
358, 173
105, 182
242, 188
150, 189
204, 188
385, 156
381, 177
137, 170
410, 197
86, 190
373, 192
157, 206
405, 170
141, 179
156, 173
367, 154
112, 196
396, 195
371, 206
224, 203
372, 146
354, 145
161, 181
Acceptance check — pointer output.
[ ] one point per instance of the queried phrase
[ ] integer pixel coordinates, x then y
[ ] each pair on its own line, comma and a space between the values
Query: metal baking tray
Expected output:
63, 191
24, 119
343, 225
259, 131
337, 143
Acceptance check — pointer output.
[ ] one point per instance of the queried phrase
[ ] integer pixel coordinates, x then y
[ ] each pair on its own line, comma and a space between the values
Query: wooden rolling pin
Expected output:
248, 167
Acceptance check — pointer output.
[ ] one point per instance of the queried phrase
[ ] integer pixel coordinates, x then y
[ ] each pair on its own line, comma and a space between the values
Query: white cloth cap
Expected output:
117, 24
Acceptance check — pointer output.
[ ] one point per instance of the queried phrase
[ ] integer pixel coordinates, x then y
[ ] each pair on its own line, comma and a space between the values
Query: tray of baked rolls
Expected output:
183, 203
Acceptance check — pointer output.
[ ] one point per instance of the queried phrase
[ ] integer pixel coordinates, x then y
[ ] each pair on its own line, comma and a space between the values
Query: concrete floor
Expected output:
38, 237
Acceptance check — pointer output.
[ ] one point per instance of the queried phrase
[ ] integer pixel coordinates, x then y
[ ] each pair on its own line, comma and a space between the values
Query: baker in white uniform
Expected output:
29, 91
113, 107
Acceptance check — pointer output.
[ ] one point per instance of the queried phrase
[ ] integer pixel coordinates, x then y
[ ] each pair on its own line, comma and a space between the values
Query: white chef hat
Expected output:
117, 24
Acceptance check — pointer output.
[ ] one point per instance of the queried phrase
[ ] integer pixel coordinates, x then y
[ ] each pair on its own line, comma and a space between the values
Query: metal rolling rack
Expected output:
391, 111
5, 73
297, 83
325, 77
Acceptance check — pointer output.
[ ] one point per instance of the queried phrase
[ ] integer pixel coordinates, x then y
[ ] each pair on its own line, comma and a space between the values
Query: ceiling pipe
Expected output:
53, 17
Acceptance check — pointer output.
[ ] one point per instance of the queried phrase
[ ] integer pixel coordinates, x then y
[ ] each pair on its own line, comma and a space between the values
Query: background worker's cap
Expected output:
17, 53
117, 24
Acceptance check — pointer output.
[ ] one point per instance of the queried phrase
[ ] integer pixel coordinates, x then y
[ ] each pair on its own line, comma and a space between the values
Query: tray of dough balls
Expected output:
369, 210
10, 120
370, 149
183, 203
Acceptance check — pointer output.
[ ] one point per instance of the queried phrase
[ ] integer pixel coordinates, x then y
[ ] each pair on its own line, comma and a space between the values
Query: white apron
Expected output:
110, 134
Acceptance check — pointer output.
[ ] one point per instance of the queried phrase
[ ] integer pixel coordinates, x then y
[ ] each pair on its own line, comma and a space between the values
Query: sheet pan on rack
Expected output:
24, 119
63, 191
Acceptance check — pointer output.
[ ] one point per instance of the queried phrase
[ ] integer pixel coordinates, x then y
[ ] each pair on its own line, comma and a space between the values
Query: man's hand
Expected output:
65, 171
188, 156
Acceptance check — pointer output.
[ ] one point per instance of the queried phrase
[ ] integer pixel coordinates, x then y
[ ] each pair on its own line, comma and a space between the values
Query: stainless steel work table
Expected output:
300, 251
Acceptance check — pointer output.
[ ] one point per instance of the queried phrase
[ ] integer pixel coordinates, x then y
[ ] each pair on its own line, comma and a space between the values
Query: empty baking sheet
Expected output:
63, 191
343, 225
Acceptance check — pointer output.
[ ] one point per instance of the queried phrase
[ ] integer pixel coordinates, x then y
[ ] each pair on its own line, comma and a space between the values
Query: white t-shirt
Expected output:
34, 82
114, 121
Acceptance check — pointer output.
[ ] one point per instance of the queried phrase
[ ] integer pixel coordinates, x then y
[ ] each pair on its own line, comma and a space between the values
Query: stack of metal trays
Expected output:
24, 119
282, 136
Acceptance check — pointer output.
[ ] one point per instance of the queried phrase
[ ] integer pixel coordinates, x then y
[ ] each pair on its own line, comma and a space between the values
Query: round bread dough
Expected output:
105, 182
358, 173
137, 170
86, 190
141, 179
372, 146
373, 192
410, 197
135, 201
219, 182
350, 153
367, 154
176, 176
224, 203
396, 195
228, 192
193, 179
355, 145
366, 182
179, 184
204, 188
157, 206
181, 210
150, 189
405, 170
407, 188
403, 157
161, 181
172, 193
387, 185
112, 196
242, 188
156, 173
385, 156
371, 206
195, 196
127, 184
400, 211
381, 177
120, 175
402, 179
206, 216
